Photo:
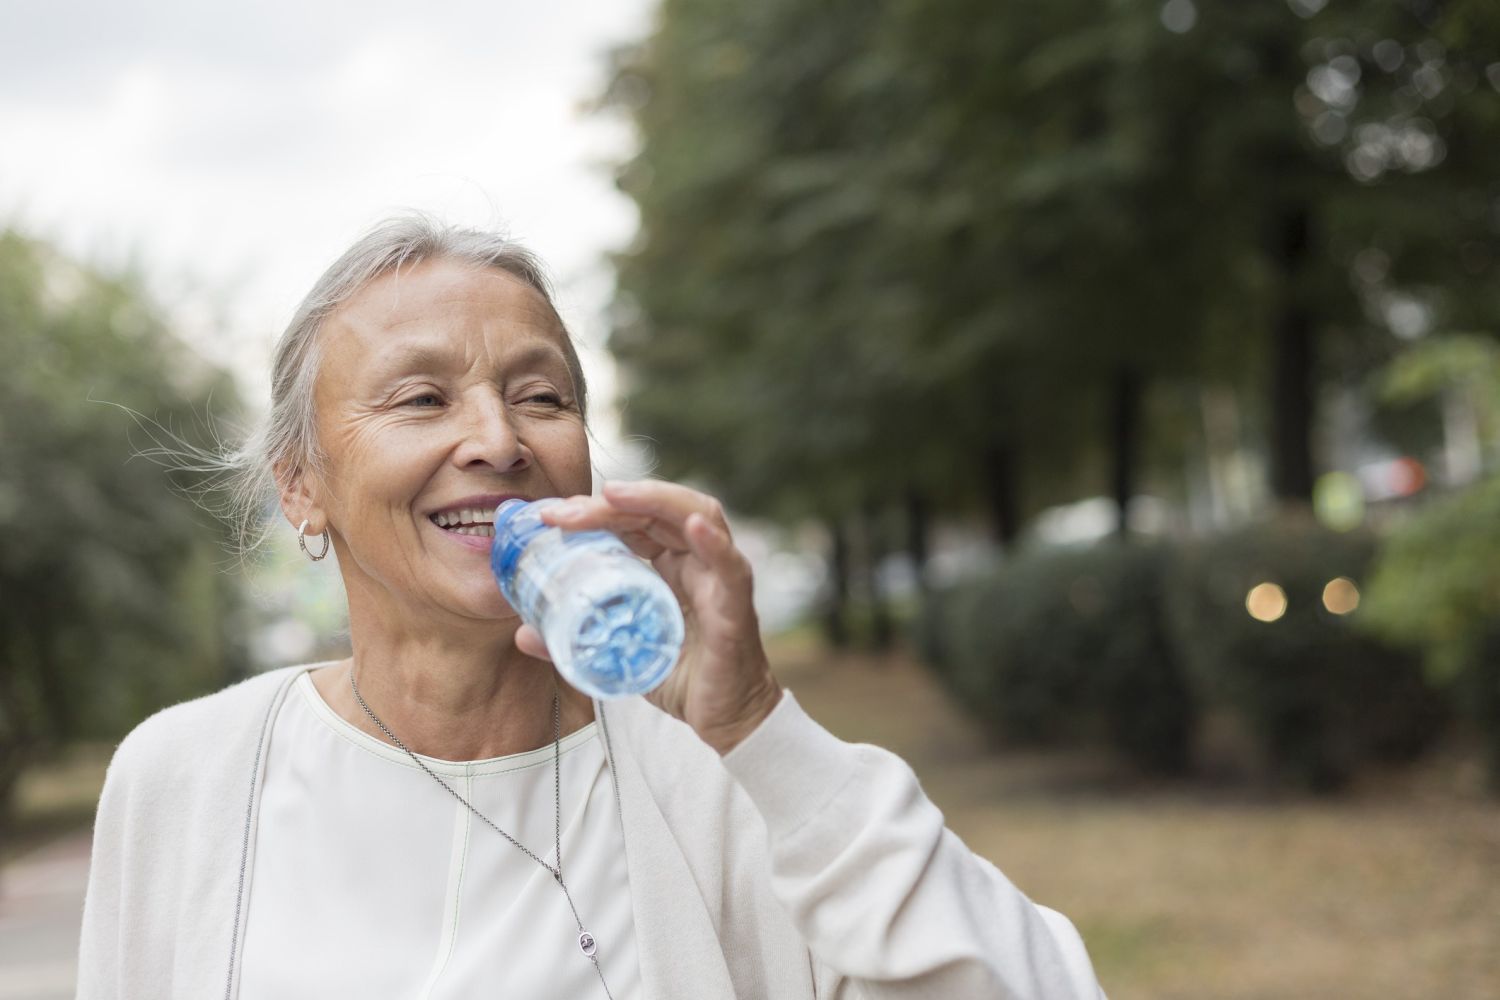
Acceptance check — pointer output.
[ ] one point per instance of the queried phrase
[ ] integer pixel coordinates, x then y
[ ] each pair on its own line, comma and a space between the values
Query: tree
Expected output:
1437, 580
115, 602
977, 237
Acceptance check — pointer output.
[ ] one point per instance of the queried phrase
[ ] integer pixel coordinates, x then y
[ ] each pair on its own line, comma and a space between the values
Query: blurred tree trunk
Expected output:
881, 629
1125, 435
16, 750
918, 526
836, 611
1001, 482
19, 738
1482, 681
1292, 362
918, 517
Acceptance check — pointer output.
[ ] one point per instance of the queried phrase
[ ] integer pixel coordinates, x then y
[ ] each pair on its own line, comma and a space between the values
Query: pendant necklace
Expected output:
586, 942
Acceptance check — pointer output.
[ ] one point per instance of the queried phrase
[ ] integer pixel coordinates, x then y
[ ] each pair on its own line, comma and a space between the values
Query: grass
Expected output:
1191, 891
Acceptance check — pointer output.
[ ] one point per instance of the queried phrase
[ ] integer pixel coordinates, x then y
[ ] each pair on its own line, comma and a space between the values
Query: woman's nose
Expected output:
489, 438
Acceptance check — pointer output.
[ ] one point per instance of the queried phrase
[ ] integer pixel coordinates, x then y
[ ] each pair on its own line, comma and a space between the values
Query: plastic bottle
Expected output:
612, 626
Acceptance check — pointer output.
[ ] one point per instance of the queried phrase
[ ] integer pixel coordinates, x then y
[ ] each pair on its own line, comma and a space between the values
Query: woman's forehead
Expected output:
441, 308
451, 356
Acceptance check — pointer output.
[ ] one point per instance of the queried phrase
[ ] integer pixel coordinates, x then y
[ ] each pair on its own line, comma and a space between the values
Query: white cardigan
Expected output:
797, 866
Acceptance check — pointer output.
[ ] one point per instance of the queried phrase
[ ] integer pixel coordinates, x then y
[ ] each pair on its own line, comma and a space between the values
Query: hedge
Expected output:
1068, 647
1317, 696
1149, 649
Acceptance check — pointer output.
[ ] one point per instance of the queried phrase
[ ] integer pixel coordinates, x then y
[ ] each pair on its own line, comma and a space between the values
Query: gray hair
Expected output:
287, 438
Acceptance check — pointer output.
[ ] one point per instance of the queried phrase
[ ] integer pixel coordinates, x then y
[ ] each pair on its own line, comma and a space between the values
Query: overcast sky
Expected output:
234, 150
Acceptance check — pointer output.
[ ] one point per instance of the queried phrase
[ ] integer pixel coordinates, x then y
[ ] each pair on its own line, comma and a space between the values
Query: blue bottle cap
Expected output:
516, 524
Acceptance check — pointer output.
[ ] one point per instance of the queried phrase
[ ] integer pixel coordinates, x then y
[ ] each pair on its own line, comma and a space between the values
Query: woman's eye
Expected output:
550, 398
426, 399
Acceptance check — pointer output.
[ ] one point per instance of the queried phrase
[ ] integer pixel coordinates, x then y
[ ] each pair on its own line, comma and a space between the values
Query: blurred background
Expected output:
1108, 395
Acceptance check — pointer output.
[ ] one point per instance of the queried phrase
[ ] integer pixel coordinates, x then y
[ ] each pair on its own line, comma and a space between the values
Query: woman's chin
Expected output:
492, 608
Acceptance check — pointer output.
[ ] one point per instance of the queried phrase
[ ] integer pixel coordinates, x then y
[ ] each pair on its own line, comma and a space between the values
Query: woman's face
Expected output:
441, 389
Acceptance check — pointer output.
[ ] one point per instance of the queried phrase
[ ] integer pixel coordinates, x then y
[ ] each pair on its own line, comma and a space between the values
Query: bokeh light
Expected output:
1339, 501
1266, 602
1341, 596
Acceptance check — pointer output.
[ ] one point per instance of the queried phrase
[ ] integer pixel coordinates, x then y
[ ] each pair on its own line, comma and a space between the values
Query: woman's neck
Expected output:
469, 695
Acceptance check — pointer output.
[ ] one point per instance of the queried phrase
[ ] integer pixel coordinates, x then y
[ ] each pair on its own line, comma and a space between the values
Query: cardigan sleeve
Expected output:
127, 941
101, 943
888, 899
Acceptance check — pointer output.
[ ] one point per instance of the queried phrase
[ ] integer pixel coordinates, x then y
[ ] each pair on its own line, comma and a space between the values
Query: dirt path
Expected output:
1194, 892
41, 904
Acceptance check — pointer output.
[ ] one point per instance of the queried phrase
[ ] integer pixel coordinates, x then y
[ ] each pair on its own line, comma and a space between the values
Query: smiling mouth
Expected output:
467, 522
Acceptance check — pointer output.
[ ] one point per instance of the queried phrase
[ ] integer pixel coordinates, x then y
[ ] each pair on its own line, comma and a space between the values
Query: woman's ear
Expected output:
298, 500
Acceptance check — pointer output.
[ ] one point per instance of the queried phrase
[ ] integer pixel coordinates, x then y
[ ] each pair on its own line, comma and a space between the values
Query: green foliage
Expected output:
883, 242
1436, 584
1465, 366
115, 599
1069, 648
1146, 649
1316, 696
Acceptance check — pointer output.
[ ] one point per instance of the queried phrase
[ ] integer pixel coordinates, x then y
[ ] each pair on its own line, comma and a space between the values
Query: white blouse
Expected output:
371, 881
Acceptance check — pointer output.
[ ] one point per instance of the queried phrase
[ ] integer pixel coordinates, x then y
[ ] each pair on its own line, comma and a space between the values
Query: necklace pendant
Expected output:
587, 945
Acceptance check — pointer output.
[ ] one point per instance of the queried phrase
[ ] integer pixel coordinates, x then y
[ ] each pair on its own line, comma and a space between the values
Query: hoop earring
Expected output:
302, 541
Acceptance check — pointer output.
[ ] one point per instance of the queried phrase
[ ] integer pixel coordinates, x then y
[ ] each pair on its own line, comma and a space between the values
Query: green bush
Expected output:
1481, 688
1150, 650
1316, 696
1436, 585
1069, 648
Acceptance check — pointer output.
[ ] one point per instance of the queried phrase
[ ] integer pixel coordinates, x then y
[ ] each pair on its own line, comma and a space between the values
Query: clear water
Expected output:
612, 625
625, 644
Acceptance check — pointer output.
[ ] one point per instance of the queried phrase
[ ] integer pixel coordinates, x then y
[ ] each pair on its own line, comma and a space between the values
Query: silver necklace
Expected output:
586, 942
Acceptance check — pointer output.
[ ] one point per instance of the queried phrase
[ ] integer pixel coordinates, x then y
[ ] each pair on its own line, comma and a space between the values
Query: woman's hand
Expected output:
722, 686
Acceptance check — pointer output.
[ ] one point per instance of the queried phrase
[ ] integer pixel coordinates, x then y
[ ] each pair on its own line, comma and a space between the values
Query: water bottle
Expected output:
612, 626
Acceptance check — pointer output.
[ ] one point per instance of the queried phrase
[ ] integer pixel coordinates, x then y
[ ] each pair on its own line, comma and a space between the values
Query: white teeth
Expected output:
484, 530
470, 516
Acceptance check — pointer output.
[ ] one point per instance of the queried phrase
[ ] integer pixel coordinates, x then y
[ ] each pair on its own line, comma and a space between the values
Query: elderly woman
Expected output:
436, 815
